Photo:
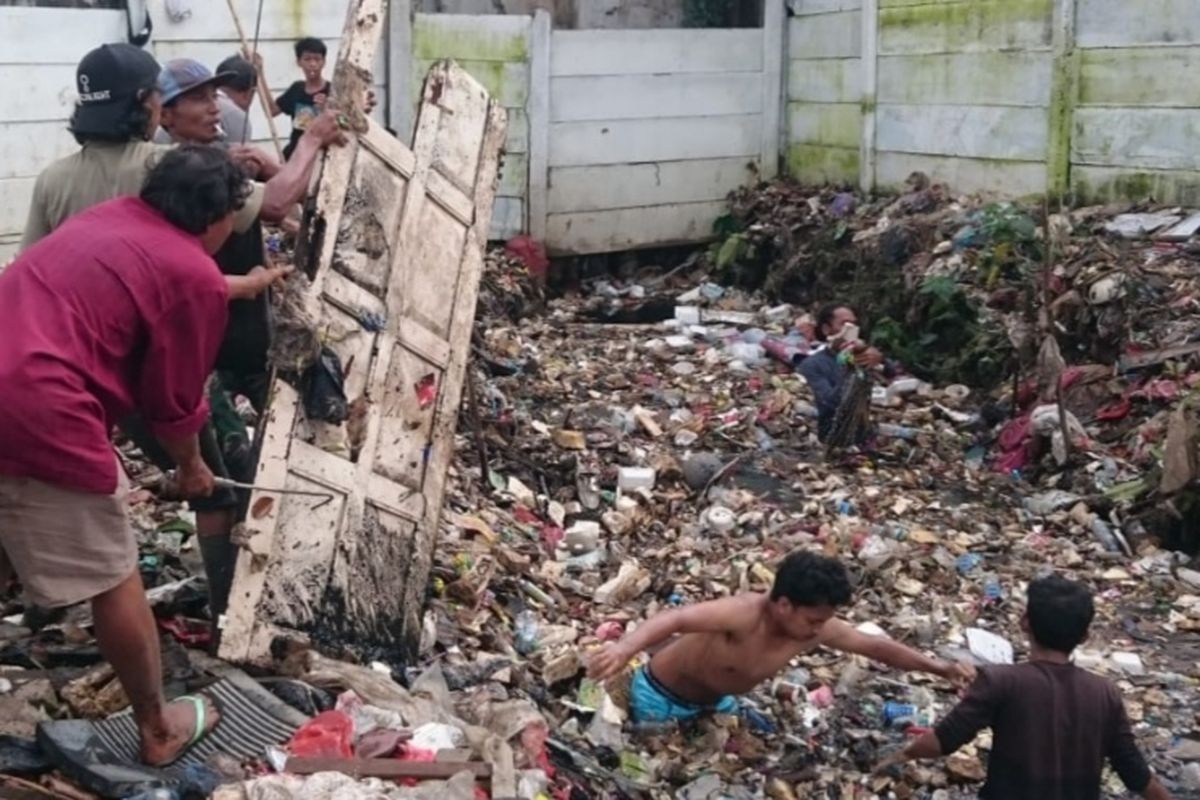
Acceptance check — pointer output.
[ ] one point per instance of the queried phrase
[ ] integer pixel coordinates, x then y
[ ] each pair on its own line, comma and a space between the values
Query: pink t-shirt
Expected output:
117, 311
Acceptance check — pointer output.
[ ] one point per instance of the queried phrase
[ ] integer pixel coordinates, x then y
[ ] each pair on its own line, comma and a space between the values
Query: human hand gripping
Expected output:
960, 674
327, 129
608, 662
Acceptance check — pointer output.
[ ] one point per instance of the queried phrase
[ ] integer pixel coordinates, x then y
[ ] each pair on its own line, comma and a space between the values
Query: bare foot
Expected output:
163, 745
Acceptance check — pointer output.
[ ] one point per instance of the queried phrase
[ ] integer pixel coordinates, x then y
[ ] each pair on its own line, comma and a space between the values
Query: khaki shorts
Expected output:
66, 546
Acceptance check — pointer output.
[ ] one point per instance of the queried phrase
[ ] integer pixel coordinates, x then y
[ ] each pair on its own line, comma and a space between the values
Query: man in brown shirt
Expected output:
1053, 724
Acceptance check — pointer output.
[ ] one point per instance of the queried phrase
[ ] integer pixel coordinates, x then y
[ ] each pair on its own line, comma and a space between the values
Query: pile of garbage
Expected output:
646, 443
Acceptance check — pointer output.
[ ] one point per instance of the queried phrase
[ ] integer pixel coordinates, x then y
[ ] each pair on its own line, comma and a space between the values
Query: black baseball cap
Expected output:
110, 80
245, 75
181, 75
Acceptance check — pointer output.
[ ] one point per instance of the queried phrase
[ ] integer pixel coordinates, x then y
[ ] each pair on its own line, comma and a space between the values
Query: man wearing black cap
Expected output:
118, 113
235, 98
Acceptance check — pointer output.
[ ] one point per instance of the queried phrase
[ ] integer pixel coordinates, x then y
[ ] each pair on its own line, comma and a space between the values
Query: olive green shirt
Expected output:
101, 171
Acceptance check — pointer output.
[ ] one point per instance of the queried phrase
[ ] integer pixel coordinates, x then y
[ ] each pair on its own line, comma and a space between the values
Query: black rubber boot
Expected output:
220, 558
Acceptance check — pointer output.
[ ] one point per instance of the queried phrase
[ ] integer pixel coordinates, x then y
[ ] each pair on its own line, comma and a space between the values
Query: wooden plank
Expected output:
56, 35
966, 79
838, 124
483, 143
26, 148
648, 52
826, 36
801, 8
825, 80
284, 580
774, 95
580, 189
15, 194
1141, 138
628, 228
281, 19
616, 97
992, 178
50, 97
540, 104
870, 95
820, 164
1140, 76
1119, 23
1093, 184
1155, 357
467, 37
387, 768
969, 26
575, 144
964, 131
507, 81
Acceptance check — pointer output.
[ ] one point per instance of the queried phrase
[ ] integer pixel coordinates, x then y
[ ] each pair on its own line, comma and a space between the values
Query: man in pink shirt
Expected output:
121, 309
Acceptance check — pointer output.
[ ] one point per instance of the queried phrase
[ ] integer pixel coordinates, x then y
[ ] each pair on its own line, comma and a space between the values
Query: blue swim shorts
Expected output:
650, 701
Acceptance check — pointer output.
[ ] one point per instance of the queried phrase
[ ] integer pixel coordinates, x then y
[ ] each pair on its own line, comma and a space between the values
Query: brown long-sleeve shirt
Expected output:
1053, 727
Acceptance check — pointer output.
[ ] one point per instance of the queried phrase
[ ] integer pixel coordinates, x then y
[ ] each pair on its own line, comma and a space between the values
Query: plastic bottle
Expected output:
1104, 534
993, 592
754, 335
749, 354
525, 638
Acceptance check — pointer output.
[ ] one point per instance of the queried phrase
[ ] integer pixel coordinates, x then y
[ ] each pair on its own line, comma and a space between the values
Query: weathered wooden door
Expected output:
398, 236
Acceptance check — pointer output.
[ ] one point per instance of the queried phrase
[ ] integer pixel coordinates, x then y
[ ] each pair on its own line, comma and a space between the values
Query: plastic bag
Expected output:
327, 735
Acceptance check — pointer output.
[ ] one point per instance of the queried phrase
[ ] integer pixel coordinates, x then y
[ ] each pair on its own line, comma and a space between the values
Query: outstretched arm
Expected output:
290, 183
728, 614
839, 636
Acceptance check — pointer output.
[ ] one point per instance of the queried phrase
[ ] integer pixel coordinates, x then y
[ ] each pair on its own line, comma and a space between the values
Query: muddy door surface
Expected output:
396, 252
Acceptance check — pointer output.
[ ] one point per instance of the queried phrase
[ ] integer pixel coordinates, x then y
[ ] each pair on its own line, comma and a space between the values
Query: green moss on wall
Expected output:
432, 41
1177, 187
820, 164
1063, 93
965, 15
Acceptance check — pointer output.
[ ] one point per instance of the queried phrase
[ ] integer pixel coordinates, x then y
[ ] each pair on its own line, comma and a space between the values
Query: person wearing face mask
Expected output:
712, 652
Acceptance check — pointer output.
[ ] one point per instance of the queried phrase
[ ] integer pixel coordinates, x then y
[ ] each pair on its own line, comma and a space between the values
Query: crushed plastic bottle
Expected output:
750, 354
968, 562
993, 592
1104, 534
526, 632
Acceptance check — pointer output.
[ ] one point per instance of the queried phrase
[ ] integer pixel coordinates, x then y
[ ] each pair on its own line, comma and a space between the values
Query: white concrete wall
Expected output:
963, 93
42, 47
44, 44
1137, 115
1087, 99
495, 49
825, 90
649, 131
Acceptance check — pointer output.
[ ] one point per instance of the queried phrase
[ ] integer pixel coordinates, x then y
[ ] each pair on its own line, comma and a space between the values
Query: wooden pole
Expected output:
264, 91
